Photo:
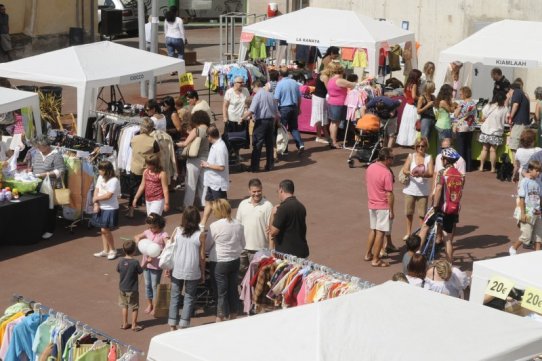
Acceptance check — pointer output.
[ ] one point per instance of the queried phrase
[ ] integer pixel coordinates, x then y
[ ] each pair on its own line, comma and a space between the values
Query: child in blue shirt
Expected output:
528, 214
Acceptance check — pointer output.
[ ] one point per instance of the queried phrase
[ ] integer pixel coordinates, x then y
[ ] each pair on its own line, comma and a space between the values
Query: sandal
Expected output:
383, 254
380, 264
125, 327
335, 146
368, 257
137, 328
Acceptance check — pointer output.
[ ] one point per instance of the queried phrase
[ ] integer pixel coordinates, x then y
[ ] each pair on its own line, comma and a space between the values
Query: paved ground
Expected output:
61, 272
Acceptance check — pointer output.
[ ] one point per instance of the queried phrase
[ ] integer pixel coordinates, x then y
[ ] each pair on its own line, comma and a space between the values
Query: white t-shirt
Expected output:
255, 219
524, 154
111, 186
203, 105
159, 123
218, 155
236, 106
453, 287
225, 240
186, 258
174, 30
415, 281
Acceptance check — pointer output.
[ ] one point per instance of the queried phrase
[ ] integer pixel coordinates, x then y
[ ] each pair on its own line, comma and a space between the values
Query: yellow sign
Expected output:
186, 83
532, 300
499, 287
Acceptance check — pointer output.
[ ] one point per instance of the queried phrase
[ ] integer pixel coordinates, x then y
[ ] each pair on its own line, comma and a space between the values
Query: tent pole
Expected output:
154, 44
142, 41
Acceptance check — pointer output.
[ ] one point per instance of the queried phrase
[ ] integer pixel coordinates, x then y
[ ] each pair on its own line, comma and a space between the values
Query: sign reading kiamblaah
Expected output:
307, 40
517, 63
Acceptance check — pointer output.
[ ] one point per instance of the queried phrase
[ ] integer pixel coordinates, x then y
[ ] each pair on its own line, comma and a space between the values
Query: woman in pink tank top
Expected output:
155, 186
337, 88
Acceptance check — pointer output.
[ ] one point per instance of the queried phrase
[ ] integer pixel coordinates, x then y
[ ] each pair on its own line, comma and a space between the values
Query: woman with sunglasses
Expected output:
419, 169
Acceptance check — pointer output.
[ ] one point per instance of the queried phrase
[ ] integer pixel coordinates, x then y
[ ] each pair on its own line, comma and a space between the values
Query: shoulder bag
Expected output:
61, 195
166, 257
192, 149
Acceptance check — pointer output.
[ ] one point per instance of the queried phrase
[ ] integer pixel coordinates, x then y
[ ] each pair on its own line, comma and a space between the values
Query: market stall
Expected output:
12, 99
89, 67
362, 325
496, 45
523, 270
331, 27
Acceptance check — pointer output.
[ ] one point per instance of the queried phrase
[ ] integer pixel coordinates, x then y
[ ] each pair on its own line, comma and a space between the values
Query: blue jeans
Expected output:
175, 45
190, 288
226, 274
288, 118
442, 134
152, 280
427, 126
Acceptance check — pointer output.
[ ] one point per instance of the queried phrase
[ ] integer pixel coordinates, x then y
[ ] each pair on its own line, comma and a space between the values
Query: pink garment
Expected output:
353, 101
246, 288
302, 292
379, 181
112, 356
336, 94
19, 126
158, 238
8, 332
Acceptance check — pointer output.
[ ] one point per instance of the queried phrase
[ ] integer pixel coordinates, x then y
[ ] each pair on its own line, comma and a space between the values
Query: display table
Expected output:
23, 222
523, 270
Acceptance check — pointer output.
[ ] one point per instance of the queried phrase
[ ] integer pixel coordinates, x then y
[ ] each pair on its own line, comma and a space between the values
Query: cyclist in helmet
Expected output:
446, 201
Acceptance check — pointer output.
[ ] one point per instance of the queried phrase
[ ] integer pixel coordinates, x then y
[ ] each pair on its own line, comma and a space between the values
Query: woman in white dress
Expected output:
407, 129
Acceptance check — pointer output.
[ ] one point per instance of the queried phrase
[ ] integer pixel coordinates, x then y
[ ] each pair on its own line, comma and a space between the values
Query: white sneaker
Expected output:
321, 140
100, 254
512, 251
112, 255
46, 235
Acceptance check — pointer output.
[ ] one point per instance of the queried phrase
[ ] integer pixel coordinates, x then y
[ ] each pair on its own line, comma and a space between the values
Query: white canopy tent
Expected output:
522, 269
12, 99
331, 27
392, 321
501, 44
89, 67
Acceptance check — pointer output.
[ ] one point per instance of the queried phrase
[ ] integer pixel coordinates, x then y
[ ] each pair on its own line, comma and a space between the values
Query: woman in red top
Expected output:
407, 129
155, 186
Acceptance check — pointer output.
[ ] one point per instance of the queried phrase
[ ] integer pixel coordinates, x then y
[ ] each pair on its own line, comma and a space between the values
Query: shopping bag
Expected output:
161, 301
282, 139
192, 149
165, 260
46, 188
61, 195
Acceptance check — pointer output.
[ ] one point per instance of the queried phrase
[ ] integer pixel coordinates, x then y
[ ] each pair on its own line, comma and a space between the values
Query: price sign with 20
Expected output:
532, 299
499, 287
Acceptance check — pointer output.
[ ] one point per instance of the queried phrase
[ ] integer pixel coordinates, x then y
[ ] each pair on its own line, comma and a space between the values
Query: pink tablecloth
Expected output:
304, 120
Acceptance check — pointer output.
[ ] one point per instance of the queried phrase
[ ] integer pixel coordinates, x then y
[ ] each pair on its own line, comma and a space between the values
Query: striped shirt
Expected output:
52, 162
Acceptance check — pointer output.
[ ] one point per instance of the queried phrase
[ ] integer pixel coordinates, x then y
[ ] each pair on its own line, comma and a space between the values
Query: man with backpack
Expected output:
446, 201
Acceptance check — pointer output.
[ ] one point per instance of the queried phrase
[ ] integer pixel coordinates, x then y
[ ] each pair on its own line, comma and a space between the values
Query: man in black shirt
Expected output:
5, 39
519, 115
288, 228
502, 84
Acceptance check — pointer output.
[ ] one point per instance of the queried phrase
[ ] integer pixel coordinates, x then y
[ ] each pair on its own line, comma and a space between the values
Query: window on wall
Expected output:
300, 4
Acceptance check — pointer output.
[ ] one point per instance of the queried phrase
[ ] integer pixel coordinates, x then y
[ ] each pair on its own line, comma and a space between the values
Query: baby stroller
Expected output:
369, 137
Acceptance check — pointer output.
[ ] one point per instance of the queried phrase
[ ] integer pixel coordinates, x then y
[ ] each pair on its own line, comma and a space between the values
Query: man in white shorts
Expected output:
379, 179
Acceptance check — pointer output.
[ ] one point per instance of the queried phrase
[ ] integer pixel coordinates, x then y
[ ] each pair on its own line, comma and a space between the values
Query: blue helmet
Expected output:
450, 154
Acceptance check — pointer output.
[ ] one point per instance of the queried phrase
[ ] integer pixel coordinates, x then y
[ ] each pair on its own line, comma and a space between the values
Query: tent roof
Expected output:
500, 41
96, 64
326, 27
12, 99
380, 323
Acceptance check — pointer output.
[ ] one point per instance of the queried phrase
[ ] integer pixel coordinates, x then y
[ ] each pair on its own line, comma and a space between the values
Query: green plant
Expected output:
50, 108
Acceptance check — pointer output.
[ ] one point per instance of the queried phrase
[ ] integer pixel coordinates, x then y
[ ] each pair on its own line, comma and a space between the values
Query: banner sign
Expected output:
307, 40
516, 63
246, 37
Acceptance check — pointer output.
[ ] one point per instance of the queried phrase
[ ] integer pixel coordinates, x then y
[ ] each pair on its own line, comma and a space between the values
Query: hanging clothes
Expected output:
394, 57
360, 58
348, 54
257, 48
167, 153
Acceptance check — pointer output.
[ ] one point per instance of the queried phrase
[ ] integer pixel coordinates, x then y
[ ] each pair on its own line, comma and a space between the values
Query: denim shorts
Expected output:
336, 112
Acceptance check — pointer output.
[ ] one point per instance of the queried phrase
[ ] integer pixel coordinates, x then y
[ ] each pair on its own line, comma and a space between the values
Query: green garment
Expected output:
443, 119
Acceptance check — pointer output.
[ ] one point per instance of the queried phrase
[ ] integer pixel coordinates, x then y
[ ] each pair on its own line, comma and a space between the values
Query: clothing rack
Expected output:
39, 307
363, 284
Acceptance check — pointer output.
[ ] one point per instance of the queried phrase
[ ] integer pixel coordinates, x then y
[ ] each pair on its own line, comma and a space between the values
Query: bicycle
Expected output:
431, 248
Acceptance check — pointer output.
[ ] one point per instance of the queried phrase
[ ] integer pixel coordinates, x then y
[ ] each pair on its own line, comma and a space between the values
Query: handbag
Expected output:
192, 149
161, 301
61, 195
418, 125
403, 178
166, 257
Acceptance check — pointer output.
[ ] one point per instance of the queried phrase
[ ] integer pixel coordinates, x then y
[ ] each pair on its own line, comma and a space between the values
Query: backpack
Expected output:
452, 189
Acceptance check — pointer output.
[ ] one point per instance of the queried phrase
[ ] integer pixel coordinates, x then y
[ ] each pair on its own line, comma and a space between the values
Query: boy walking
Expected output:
528, 215
129, 269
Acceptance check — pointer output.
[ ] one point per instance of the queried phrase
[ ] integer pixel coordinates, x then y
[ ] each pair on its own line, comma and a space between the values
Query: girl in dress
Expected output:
154, 184
106, 208
407, 129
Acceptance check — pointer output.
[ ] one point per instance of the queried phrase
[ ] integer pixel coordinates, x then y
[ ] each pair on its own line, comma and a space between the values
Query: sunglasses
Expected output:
421, 146
238, 82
